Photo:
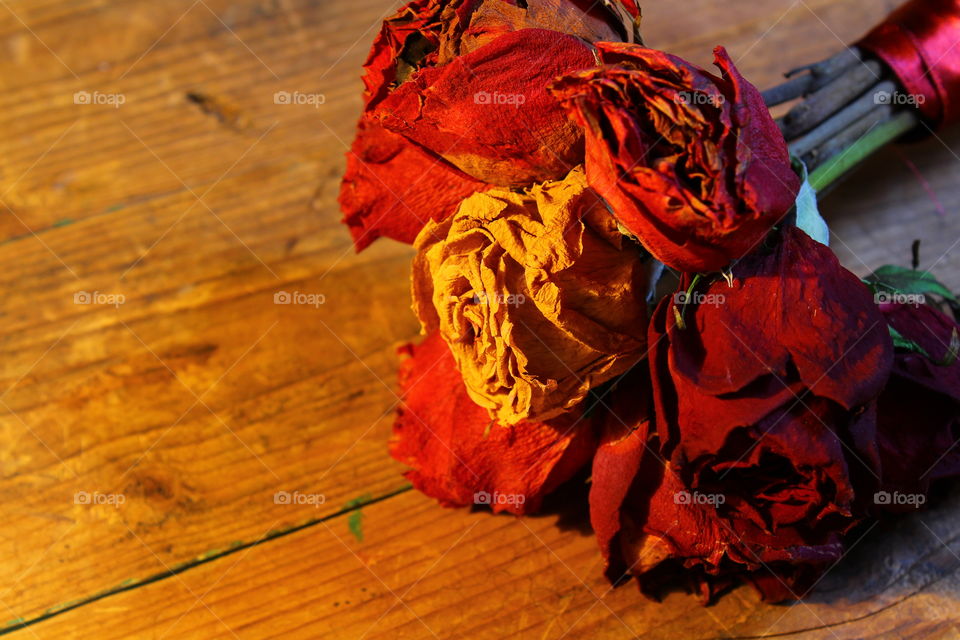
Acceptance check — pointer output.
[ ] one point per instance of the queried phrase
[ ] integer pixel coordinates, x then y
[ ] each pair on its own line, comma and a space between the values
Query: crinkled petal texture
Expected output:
392, 187
585, 19
919, 410
461, 457
489, 113
690, 162
538, 294
408, 39
764, 453
428, 33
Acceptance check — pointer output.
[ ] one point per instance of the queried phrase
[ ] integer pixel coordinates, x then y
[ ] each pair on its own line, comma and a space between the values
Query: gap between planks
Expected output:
205, 558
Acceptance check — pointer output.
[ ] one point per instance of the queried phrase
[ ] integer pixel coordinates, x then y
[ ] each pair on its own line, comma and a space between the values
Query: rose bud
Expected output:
392, 185
460, 456
691, 163
765, 395
919, 411
538, 294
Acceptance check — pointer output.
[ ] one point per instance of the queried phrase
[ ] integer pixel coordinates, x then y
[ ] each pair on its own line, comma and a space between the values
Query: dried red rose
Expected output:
764, 523
488, 112
430, 33
766, 414
499, 126
691, 163
460, 456
919, 411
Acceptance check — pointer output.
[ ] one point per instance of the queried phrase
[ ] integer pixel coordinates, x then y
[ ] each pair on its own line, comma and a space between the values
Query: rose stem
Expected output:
847, 137
882, 134
816, 76
842, 120
826, 101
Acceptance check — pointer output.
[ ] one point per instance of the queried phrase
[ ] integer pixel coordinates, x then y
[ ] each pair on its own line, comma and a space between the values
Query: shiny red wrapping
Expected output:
918, 42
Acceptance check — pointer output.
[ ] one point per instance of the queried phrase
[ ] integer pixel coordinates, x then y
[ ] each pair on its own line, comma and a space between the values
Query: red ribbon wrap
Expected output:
920, 42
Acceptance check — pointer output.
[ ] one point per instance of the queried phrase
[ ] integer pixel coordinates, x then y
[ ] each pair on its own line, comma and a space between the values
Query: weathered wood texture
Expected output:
198, 199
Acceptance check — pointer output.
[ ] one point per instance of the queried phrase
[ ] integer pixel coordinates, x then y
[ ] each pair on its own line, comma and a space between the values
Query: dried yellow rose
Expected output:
538, 295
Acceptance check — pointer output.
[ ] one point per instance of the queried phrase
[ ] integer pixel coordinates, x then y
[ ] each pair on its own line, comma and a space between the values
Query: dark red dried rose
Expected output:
764, 523
690, 162
766, 414
461, 457
919, 411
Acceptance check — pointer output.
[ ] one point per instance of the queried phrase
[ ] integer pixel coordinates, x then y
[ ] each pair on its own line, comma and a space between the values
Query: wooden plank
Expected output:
198, 398
61, 160
487, 577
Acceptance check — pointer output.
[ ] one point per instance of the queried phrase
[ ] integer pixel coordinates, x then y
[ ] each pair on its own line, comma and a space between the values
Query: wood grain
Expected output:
487, 577
198, 398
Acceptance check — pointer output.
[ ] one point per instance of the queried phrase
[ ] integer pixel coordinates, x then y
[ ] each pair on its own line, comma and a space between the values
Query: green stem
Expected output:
881, 135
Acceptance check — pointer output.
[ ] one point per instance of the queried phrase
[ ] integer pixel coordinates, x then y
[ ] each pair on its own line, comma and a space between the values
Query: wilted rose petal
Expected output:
765, 450
625, 429
794, 321
538, 294
461, 457
488, 112
392, 187
407, 40
690, 162
919, 410
428, 33
586, 19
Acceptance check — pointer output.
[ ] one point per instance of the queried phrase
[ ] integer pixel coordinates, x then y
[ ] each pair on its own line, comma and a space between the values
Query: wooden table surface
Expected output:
146, 434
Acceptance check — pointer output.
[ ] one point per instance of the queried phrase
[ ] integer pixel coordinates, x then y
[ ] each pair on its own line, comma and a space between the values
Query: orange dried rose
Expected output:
538, 295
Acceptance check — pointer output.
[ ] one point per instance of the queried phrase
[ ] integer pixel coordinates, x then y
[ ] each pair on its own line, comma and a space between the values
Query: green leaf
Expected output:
892, 278
950, 357
355, 519
355, 524
809, 219
901, 342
